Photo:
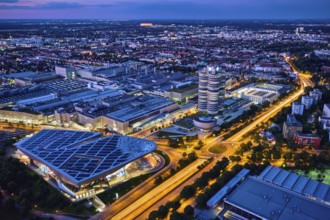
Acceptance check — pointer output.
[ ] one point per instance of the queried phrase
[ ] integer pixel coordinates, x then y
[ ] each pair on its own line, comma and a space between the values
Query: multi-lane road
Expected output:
144, 202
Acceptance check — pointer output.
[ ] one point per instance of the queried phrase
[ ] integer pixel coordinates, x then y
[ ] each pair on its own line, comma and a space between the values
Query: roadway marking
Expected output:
143, 203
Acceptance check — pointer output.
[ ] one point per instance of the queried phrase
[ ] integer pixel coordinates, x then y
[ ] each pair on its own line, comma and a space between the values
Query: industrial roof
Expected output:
227, 188
142, 106
294, 182
79, 157
269, 201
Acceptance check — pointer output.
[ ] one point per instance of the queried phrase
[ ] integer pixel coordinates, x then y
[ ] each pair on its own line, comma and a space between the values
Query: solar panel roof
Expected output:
80, 156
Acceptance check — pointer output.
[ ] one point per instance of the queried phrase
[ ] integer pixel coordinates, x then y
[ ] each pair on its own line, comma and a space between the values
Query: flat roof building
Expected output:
278, 194
134, 113
80, 158
257, 199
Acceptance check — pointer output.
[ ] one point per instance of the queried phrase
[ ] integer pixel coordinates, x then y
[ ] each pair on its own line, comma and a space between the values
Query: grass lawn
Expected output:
313, 174
218, 149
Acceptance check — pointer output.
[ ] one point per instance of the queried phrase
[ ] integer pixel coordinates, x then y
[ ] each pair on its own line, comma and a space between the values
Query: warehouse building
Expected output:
278, 194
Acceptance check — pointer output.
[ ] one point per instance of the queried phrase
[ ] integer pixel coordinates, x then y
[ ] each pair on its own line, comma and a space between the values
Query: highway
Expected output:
139, 190
265, 117
305, 81
144, 202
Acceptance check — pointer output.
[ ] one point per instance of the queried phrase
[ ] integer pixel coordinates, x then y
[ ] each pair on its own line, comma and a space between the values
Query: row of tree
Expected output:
164, 210
225, 177
27, 189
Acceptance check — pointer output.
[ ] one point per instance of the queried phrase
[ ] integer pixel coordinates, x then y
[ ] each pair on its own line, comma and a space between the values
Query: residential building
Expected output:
316, 94
297, 108
291, 126
307, 101
307, 139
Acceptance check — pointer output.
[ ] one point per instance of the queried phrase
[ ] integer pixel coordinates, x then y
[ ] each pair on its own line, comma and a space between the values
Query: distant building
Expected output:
307, 101
182, 93
146, 24
259, 93
129, 116
66, 72
24, 116
325, 118
259, 97
297, 108
326, 110
211, 90
316, 94
206, 123
307, 139
291, 126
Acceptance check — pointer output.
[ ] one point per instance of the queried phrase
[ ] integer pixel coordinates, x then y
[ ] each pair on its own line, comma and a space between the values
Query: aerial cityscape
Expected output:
171, 110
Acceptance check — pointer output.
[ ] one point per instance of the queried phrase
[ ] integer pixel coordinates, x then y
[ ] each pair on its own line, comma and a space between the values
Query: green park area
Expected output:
319, 175
219, 149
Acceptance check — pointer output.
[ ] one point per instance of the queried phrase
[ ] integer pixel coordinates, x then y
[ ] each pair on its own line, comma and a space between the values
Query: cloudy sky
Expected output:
166, 9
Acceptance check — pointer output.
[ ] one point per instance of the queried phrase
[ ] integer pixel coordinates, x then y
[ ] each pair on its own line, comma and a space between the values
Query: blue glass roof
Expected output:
80, 156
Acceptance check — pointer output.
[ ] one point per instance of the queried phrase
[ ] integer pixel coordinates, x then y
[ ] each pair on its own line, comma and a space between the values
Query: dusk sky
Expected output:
166, 9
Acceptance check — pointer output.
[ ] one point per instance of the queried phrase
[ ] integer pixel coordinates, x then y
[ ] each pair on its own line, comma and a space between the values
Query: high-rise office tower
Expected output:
222, 89
202, 90
211, 90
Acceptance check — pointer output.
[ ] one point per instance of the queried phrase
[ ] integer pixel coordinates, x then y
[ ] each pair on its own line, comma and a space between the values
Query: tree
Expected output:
276, 155
192, 156
12, 186
287, 156
10, 204
163, 211
153, 215
187, 192
201, 200
158, 180
189, 211
173, 205
202, 181
25, 207
176, 215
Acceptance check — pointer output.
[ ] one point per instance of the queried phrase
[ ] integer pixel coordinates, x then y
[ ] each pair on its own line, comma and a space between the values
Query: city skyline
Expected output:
164, 110
182, 9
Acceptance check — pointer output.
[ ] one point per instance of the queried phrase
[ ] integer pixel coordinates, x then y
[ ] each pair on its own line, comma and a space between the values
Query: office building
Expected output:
66, 72
258, 96
202, 90
211, 90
